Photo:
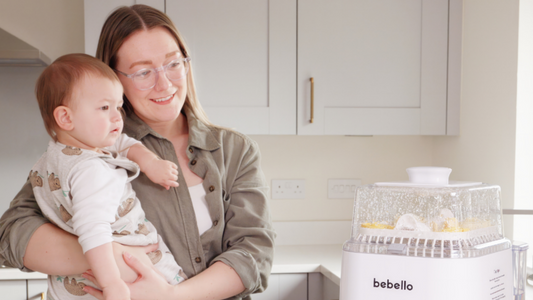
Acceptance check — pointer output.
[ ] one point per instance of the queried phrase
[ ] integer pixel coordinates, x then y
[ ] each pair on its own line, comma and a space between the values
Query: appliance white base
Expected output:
379, 276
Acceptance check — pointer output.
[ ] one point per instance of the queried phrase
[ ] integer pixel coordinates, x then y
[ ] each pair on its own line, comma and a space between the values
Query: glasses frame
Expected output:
157, 70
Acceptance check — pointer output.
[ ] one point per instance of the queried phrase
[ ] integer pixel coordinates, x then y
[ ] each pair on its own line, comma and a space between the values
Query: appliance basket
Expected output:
473, 243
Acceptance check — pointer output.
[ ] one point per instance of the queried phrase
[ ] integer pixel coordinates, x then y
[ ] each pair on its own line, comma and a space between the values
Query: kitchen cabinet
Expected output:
244, 58
322, 288
380, 67
97, 11
285, 287
308, 286
13, 289
36, 288
20, 289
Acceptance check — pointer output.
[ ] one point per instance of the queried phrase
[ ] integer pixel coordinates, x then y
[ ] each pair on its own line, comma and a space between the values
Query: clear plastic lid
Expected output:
427, 212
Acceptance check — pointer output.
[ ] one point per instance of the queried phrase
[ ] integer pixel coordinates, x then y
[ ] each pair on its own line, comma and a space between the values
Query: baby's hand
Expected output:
117, 291
162, 172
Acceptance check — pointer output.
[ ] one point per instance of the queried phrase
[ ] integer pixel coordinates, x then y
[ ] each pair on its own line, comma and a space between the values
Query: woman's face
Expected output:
152, 48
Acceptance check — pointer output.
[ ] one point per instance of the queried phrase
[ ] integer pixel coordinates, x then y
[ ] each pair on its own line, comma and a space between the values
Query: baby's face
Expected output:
96, 111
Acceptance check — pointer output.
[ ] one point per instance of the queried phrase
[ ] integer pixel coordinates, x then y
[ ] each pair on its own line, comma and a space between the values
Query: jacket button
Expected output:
198, 260
211, 188
193, 162
190, 150
215, 222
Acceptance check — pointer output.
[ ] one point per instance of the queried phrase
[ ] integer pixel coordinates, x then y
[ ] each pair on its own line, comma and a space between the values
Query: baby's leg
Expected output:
126, 273
165, 263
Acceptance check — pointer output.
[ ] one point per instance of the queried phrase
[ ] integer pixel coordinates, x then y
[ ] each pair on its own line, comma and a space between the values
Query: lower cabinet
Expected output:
284, 287
37, 289
13, 289
321, 288
31, 289
301, 286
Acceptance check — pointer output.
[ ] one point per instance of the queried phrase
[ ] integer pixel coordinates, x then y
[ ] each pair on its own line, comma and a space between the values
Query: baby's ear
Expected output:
63, 117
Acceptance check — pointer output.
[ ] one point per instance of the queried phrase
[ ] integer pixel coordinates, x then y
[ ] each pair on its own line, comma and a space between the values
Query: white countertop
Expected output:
16, 274
325, 259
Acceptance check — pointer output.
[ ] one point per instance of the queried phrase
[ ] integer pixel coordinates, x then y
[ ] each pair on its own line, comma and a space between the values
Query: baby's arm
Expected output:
103, 265
162, 172
96, 190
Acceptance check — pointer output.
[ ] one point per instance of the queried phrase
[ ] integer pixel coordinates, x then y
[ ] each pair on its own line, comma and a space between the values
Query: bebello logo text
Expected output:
402, 285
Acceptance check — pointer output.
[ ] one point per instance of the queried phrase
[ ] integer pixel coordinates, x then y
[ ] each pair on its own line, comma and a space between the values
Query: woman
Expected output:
223, 240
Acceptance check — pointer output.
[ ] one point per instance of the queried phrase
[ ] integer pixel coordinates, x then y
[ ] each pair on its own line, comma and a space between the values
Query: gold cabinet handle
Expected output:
42, 296
312, 99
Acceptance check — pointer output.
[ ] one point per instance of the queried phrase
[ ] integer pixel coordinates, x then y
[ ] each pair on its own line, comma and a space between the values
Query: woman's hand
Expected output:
149, 284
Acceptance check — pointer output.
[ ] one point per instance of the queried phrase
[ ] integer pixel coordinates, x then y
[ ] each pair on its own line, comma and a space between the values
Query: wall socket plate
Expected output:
288, 189
342, 188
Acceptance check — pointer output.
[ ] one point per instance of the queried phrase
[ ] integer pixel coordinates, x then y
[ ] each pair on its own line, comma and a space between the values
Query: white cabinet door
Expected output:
97, 11
285, 287
36, 288
379, 67
322, 288
244, 59
13, 289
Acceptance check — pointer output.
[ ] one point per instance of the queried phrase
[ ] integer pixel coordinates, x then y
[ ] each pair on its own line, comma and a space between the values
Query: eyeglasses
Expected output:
146, 79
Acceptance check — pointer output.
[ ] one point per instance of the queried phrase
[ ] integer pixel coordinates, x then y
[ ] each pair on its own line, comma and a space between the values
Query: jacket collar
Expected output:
200, 135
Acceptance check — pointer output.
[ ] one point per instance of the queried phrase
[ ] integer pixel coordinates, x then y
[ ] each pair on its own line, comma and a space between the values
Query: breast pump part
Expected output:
429, 175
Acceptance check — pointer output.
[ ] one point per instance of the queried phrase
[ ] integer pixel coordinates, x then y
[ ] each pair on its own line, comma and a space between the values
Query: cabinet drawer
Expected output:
13, 289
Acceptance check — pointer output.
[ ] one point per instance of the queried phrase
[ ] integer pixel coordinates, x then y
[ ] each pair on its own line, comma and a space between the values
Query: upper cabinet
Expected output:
97, 11
244, 59
379, 67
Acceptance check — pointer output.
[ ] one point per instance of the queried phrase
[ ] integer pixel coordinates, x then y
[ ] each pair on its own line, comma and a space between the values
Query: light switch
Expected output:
342, 188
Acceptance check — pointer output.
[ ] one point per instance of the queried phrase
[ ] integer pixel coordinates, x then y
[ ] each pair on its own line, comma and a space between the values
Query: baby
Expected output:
82, 182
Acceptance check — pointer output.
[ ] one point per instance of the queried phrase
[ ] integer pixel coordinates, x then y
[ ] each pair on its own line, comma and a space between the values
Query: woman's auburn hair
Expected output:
125, 21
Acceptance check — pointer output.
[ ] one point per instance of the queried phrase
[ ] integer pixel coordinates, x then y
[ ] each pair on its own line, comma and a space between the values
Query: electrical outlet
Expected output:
288, 189
342, 188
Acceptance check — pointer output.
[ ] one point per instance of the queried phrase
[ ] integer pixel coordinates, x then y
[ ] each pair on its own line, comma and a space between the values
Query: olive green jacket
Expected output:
229, 162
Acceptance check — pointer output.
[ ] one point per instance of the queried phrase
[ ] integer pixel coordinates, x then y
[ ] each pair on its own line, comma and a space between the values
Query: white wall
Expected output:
485, 148
317, 158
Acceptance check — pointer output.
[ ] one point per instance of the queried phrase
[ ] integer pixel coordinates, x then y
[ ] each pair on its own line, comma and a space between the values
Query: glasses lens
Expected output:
177, 69
144, 79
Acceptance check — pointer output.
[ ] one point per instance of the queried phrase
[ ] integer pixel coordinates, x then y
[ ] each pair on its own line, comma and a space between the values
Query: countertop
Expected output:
324, 259
16, 274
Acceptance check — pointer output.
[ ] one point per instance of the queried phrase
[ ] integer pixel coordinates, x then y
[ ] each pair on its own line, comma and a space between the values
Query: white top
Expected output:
203, 218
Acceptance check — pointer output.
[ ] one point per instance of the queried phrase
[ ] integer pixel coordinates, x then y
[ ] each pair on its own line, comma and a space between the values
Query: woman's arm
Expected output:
17, 226
54, 251
29, 242
248, 239
217, 282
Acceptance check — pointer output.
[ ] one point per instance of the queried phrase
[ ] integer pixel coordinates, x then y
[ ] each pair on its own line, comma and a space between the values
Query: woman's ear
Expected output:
63, 117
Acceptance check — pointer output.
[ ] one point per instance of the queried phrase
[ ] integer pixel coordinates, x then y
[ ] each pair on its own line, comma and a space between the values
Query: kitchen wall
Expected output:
484, 150
56, 28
